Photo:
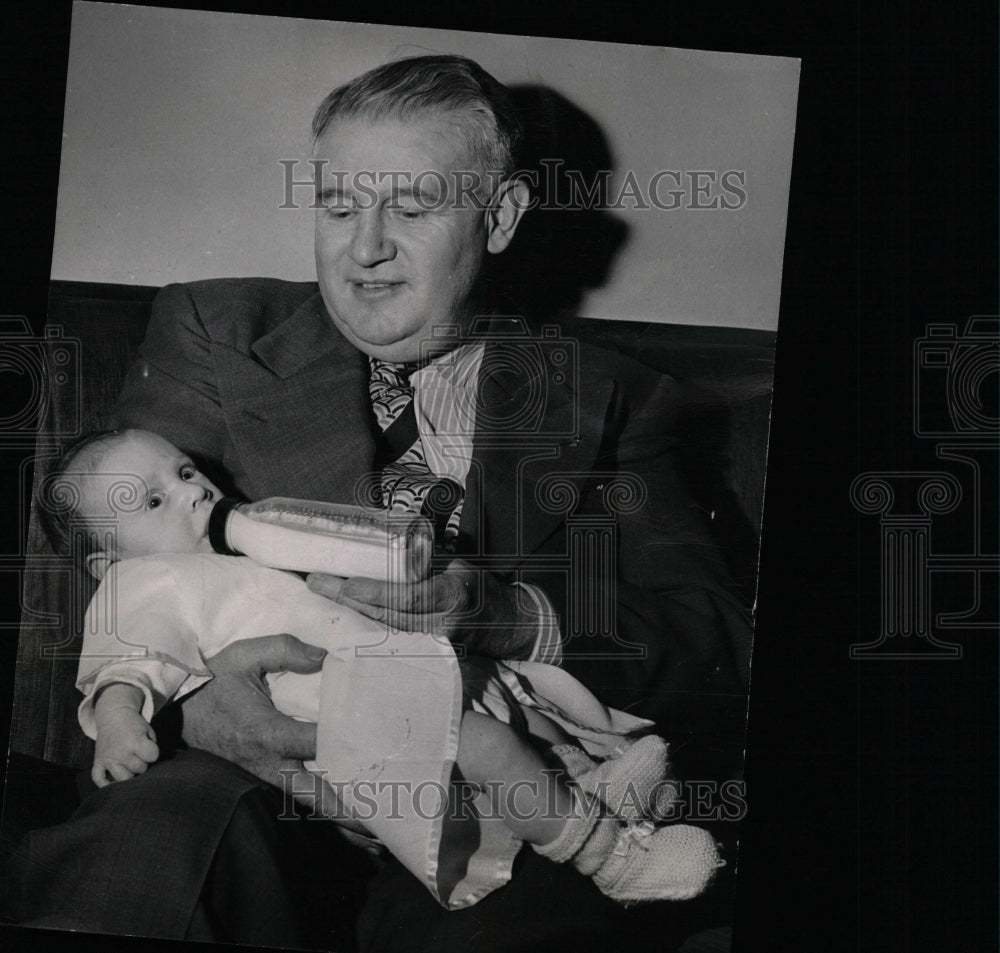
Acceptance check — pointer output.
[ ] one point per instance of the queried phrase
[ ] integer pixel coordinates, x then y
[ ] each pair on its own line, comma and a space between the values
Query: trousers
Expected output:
192, 850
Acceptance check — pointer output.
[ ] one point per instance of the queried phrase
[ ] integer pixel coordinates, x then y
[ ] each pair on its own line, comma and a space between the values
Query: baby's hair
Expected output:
58, 499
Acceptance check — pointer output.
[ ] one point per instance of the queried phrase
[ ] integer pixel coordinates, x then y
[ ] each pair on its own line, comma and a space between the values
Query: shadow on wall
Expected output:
567, 244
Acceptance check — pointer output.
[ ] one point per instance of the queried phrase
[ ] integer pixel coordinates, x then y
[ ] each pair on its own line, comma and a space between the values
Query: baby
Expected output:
400, 720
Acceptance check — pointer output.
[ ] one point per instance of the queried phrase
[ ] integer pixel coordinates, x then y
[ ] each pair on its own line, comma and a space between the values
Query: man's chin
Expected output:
387, 347
401, 352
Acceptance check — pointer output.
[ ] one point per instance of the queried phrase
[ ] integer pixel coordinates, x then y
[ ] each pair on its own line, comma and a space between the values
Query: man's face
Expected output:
158, 499
395, 254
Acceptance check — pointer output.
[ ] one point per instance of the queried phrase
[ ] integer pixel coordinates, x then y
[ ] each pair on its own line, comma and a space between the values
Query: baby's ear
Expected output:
98, 564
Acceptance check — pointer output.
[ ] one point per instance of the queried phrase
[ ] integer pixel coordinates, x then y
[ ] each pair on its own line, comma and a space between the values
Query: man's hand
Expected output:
232, 716
471, 607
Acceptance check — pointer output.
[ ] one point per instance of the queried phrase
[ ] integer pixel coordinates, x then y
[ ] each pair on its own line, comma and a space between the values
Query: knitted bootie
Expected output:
634, 784
586, 838
634, 863
650, 863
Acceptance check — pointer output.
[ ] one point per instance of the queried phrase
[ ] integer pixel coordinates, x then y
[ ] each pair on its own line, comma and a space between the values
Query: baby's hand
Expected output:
126, 745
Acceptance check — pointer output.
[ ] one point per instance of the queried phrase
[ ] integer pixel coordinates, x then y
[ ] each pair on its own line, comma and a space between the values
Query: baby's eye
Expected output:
188, 472
153, 502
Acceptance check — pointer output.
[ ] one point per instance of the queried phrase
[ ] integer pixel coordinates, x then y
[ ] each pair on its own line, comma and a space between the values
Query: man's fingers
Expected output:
442, 593
268, 653
370, 591
372, 611
433, 623
325, 584
292, 777
294, 739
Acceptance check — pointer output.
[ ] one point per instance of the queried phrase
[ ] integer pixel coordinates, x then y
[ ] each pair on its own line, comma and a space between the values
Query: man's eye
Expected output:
339, 212
410, 214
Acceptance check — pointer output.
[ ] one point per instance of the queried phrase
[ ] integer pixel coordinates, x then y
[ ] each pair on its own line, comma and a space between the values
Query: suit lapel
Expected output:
513, 489
302, 381
535, 423
306, 335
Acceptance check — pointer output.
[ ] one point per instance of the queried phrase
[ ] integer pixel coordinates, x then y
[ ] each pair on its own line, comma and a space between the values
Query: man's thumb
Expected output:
286, 653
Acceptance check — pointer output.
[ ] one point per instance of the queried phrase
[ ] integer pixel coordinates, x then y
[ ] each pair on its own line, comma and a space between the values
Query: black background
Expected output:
871, 785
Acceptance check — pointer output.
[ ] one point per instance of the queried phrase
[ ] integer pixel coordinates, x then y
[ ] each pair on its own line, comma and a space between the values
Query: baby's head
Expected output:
136, 494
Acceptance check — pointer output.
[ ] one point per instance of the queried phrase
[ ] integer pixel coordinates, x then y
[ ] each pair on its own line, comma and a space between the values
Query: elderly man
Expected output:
395, 377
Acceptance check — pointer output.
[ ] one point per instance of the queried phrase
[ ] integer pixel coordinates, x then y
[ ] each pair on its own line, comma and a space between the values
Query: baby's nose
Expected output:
199, 493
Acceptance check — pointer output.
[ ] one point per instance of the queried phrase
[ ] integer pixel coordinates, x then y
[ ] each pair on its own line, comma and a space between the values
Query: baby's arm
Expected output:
125, 743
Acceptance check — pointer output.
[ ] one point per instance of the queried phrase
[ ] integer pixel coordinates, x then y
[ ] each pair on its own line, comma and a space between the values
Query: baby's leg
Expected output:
635, 782
533, 801
629, 863
544, 728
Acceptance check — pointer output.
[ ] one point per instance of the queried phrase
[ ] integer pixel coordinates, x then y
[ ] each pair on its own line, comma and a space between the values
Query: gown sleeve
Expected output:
140, 630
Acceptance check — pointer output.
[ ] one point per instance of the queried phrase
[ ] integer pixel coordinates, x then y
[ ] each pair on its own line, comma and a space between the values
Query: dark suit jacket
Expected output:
252, 375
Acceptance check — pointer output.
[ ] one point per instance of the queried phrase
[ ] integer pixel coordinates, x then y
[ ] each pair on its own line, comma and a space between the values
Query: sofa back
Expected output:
93, 332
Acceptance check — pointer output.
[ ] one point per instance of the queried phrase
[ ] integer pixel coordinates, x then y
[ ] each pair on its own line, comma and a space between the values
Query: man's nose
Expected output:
371, 243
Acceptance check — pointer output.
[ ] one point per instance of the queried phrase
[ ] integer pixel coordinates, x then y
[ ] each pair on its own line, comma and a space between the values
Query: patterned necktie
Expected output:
406, 481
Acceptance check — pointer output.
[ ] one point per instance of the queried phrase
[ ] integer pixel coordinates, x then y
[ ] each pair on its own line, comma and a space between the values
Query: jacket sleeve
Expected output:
663, 631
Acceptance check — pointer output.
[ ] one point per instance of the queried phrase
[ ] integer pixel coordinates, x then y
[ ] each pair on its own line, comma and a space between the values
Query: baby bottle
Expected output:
340, 539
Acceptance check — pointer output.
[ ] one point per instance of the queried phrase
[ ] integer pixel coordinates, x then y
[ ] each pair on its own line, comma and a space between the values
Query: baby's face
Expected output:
153, 494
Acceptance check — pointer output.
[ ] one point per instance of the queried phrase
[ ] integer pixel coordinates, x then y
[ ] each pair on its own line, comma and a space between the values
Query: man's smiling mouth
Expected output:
372, 288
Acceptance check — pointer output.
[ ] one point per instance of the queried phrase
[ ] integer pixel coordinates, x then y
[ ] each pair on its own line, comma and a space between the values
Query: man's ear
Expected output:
512, 199
98, 564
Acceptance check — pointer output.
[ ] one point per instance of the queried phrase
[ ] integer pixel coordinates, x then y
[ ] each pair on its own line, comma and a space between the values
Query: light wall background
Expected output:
176, 120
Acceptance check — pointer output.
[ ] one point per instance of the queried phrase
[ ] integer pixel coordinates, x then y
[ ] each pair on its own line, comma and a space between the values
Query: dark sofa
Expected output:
726, 380
722, 425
